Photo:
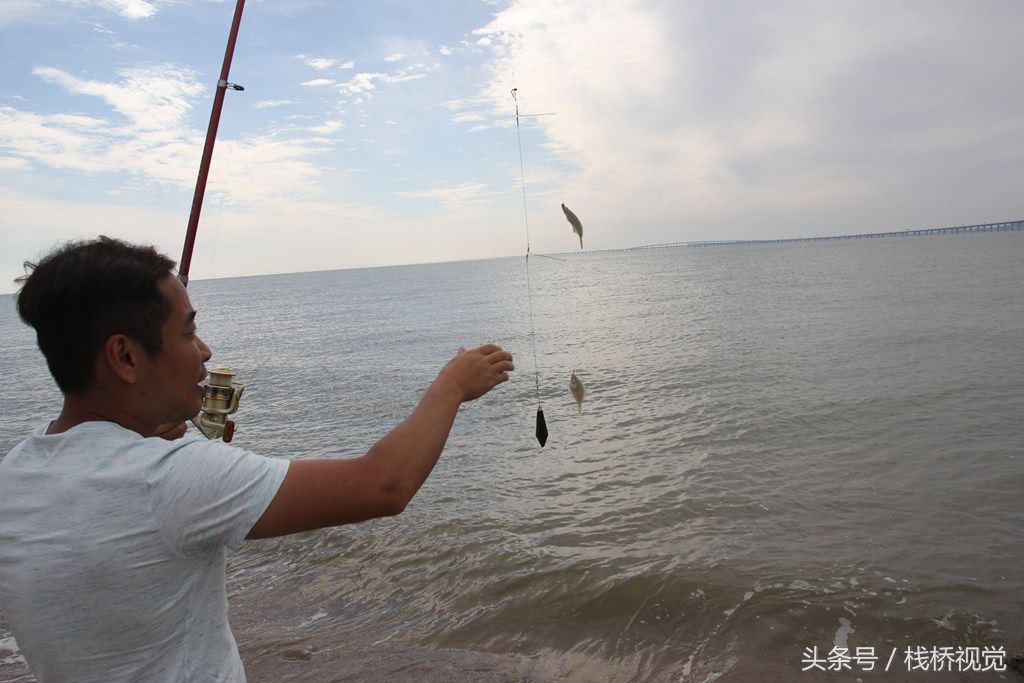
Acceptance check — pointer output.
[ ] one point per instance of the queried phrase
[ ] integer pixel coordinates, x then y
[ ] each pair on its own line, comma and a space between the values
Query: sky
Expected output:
378, 133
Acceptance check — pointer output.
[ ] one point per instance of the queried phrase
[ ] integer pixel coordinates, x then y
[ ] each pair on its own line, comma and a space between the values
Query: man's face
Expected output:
175, 375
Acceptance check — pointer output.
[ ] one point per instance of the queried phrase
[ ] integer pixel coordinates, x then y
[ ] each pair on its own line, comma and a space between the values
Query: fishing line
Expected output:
542, 429
223, 191
573, 337
526, 221
577, 387
572, 322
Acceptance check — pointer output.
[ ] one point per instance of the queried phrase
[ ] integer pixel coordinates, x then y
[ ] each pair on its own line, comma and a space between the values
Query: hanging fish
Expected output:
577, 227
577, 389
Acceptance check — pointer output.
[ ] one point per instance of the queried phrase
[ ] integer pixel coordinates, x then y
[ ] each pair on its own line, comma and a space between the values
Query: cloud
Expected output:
131, 9
18, 11
33, 137
149, 137
327, 127
244, 240
320, 63
148, 134
362, 85
449, 195
78, 121
404, 78
466, 117
13, 163
396, 57
151, 98
478, 110
674, 121
720, 117
465, 102
267, 104
268, 172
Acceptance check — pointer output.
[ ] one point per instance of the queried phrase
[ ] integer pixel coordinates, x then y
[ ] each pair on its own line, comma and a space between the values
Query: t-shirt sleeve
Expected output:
206, 494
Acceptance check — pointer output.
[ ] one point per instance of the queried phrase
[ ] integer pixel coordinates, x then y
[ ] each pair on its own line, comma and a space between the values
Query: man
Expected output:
112, 540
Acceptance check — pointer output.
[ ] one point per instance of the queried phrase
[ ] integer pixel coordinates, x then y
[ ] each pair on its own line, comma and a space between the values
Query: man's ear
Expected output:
122, 356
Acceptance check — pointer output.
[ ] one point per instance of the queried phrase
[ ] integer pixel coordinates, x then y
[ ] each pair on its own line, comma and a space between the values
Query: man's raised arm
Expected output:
321, 493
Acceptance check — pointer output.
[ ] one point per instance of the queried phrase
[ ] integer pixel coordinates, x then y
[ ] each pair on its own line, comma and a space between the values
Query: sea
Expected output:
795, 462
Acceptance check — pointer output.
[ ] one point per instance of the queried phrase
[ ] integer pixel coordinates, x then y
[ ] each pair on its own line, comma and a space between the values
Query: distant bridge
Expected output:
1005, 226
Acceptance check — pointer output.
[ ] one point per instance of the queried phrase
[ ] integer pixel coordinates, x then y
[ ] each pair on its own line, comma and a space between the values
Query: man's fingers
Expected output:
490, 351
499, 356
505, 366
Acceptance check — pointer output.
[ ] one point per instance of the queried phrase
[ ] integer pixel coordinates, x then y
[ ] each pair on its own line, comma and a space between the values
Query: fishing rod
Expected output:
211, 139
222, 392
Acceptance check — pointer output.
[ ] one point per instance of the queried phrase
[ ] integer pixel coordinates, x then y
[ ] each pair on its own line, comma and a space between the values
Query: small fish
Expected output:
577, 227
577, 389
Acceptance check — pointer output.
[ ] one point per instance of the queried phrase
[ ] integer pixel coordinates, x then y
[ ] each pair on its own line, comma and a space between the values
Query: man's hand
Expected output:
319, 493
471, 374
172, 432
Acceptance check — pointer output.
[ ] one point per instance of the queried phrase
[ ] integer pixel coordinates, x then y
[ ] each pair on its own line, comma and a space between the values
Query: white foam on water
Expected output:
316, 617
384, 639
844, 630
688, 665
746, 597
11, 645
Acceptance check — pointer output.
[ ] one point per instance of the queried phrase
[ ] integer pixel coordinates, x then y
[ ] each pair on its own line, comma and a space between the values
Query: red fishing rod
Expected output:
211, 138
222, 392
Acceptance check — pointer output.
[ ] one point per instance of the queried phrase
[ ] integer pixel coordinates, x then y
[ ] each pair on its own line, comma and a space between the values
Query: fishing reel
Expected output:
221, 400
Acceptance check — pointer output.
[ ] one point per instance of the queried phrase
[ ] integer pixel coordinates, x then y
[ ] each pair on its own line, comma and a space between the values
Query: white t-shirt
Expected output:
112, 552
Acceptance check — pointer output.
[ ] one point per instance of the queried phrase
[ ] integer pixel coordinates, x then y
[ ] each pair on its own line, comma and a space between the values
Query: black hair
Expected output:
83, 292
